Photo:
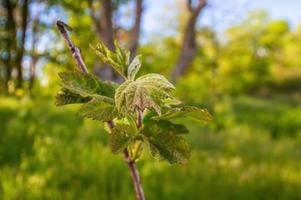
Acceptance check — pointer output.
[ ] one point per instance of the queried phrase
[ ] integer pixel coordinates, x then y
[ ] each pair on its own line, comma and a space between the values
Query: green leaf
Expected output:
149, 91
148, 116
99, 108
134, 67
121, 136
165, 127
186, 112
158, 87
86, 85
121, 93
123, 56
156, 80
165, 141
133, 96
65, 97
119, 60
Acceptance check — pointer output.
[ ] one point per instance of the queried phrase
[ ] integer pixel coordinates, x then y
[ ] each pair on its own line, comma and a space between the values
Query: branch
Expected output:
201, 4
74, 50
81, 65
134, 175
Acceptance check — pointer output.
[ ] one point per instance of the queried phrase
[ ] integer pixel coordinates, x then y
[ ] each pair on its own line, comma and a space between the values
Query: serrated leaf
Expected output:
165, 142
186, 112
120, 137
65, 97
134, 67
149, 91
99, 108
158, 87
156, 80
133, 96
86, 85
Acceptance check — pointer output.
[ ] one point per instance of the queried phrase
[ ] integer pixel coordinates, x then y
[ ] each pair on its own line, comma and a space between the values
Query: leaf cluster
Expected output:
143, 110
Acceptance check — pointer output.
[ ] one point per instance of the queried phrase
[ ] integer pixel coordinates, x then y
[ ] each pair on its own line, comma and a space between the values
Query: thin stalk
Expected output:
61, 26
135, 175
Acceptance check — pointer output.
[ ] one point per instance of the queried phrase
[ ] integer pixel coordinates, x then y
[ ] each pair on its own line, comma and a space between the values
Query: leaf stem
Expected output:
139, 119
82, 67
135, 175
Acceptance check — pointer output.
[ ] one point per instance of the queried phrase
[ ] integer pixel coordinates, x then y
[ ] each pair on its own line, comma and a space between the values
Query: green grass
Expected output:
50, 153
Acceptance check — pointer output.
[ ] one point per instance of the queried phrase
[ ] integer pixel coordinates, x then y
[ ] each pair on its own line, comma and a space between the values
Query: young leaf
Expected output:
123, 56
121, 93
121, 136
65, 97
99, 108
186, 112
119, 60
134, 67
149, 91
166, 143
158, 87
86, 85
133, 95
156, 80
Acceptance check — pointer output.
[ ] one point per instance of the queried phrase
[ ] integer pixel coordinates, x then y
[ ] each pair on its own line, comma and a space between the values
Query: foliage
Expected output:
250, 80
49, 153
127, 104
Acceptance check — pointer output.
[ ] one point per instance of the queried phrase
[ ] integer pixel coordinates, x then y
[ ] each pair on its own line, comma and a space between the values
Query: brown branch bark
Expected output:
74, 50
188, 48
81, 65
134, 175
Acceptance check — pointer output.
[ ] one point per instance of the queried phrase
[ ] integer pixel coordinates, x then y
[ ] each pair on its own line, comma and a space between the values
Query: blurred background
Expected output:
240, 59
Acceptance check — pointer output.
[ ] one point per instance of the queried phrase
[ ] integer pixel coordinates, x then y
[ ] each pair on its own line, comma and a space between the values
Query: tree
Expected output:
188, 48
15, 38
19, 36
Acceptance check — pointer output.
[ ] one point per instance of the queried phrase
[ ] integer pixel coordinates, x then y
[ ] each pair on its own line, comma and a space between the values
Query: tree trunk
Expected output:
21, 49
8, 73
11, 41
34, 56
188, 48
135, 32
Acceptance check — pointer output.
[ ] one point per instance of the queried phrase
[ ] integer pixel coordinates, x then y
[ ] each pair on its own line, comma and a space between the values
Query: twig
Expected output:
82, 67
135, 175
74, 50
